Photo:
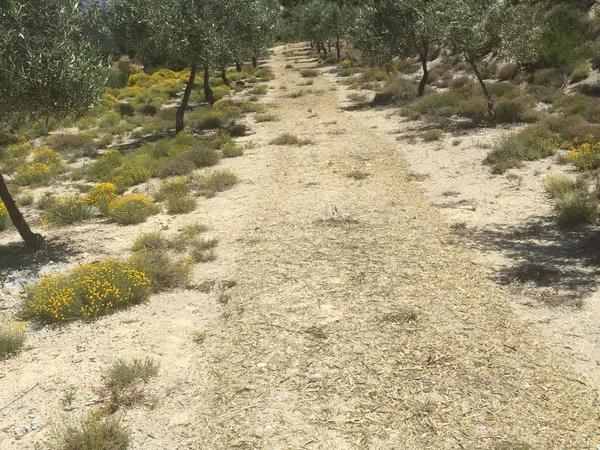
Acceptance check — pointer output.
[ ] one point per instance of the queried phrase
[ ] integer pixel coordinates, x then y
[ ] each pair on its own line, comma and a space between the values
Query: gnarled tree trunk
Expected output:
338, 48
179, 123
486, 92
238, 66
423, 57
32, 240
224, 77
208, 93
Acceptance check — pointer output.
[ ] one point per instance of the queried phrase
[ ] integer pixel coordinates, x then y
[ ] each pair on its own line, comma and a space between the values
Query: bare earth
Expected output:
357, 320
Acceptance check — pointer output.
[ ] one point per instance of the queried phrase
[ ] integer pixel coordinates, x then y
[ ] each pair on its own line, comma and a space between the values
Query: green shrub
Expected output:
580, 72
126, 109
576, 208
259, 90
216, 181
24, 198
34, 174
231, 150
95, 432
73, 144
559, 185
507, 71
122, 382
289, 139
203, 156
68, 210
534, 142
180, 204
131, 209
210, 120
88, 291
103, 167
163, 271
153, 241
177, 165
148, 109
549, 77
397, 91
512, 111
176, 186
12, 337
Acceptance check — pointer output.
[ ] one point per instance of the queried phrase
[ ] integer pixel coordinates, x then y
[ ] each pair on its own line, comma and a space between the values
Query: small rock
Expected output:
20, 432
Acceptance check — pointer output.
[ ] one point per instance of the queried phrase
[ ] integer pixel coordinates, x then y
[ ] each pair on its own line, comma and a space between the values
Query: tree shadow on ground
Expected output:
543, 254
17, 257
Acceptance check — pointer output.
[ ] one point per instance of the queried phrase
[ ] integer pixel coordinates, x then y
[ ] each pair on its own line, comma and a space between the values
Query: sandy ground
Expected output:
358, 320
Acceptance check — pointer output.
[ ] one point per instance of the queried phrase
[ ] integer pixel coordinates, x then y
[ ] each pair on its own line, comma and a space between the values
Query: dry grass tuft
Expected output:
123, 382
290, 139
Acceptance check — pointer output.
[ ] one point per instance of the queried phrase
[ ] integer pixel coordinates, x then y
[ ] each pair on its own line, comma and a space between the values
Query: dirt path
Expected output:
356, 322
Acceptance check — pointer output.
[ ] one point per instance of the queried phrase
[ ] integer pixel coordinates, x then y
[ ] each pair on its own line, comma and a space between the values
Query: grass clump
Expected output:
511, 110
67, 210
163, 271
259, 90
575, 204
131, 209
201, 249
266, 117
123, 381
173, 187
12, 337
216, 181
88, 291
95, 432
396, 92
309, 73
510, 151
580, 72
181, 204
435, 134
289, 139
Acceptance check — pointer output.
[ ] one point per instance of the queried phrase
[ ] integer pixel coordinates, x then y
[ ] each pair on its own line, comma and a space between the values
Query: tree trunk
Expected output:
224, 77
324, 48
425, 77
32, 240
238, 66
486, 92
254, 62
208, 93
318, 47
338, 48
179, 124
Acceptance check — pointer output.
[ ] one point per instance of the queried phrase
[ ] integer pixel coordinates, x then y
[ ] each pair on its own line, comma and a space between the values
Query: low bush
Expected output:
580, 72
101, 195
397, 92
88, 291
153, 241
75, 145
126, 109
265, 118
309, 73
48, 156
259, 90
180, 204
4, 217
576, 208
209, 120
586, 156
216, 181
231, 150
67, 210
163, 271
202, 249
534, 142
513, 111
434, 134
95, 432
12, 337
289, 139
173, 187
34, 174
507, 71
558, 185
148, 109
103, 167
549, 77
122, 382
131, 209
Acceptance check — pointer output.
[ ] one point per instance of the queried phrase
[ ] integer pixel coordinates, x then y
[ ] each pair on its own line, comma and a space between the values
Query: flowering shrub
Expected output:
89, 291
131, 209
104, 166
4, 217
173, 187
586, 156
48, 156
101, 195
33, 174
68, 210
130, 175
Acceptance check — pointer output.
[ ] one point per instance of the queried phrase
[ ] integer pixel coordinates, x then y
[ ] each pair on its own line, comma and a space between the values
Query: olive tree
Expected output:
482, 28
400, 28
48, 67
